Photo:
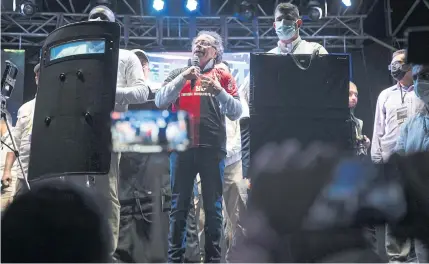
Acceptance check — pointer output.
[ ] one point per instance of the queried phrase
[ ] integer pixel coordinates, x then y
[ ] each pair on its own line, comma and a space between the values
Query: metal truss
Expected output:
397, 33
174, 33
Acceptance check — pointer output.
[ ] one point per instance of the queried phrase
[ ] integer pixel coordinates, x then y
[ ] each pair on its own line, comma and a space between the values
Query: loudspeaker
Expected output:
308, 102
76, 94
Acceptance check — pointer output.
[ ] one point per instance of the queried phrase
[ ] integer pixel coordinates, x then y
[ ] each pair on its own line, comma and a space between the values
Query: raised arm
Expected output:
136, 90
170, 89
228, 98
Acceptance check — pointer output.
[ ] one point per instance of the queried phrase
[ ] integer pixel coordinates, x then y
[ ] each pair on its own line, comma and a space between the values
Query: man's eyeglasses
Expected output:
204, 44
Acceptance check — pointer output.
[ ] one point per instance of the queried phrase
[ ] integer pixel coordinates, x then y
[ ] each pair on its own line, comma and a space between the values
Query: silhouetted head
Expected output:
55, 222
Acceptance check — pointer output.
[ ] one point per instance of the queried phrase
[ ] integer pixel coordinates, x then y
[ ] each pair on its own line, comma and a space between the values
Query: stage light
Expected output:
247, 10
28, 8
158, 5
315, 11
192, 5
347, 3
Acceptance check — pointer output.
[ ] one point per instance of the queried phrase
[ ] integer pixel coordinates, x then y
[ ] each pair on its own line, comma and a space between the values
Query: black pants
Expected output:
135, 233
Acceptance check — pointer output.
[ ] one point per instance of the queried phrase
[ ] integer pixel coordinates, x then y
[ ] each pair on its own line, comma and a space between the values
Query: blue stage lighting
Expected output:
191, 5
347, 3
158, 5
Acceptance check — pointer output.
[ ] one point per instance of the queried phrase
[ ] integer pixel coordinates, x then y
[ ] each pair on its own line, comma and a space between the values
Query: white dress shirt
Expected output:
22, 135
386, 125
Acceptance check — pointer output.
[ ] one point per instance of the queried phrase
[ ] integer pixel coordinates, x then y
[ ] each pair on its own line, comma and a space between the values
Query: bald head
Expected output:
353, 95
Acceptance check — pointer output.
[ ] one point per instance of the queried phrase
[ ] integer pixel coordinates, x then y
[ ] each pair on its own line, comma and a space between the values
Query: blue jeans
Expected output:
184, 166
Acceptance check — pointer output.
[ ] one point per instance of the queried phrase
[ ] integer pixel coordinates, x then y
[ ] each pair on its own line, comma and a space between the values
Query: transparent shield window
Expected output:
80, 47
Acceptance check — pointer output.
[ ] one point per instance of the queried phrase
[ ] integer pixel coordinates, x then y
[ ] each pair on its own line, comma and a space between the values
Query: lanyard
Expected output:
296, 46
402, 94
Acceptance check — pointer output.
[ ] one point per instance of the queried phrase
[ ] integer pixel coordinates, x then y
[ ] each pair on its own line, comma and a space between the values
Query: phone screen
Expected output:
150, 131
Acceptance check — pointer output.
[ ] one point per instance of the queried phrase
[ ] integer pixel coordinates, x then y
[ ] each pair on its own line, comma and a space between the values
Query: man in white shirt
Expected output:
131, 88
394, 106
22, 136
286, 24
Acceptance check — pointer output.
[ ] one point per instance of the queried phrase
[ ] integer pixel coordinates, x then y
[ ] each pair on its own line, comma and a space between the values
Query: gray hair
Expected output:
398, 52
218, 43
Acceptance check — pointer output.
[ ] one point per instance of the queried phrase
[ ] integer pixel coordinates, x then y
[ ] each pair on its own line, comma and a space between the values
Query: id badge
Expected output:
401, 114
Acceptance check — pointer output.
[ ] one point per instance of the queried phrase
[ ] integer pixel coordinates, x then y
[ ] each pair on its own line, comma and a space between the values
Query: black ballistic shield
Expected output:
76, 94
287, 102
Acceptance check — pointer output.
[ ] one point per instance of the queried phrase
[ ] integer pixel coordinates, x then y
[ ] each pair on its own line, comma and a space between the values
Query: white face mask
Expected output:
421, 88
286, 29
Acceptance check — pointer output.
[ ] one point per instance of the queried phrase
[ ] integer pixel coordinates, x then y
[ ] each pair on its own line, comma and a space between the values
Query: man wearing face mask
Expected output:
394, 105
287, 23
208, 100
414, 135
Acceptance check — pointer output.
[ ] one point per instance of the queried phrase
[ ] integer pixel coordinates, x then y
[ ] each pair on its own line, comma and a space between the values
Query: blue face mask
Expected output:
421, 88
286, 29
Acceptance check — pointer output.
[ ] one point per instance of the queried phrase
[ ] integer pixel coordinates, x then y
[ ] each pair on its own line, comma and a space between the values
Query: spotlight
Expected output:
192, 5
158, 5
315, 11
247, 10
347, 3
28, 8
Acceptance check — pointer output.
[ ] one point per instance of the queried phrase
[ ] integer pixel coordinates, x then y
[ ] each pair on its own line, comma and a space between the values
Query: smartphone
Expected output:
358, 191
417, 45
150, 131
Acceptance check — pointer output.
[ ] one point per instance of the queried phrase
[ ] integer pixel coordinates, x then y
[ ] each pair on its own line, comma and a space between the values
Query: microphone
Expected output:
195, 61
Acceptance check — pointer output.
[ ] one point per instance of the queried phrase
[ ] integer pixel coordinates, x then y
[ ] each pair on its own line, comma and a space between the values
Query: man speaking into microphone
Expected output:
208, 99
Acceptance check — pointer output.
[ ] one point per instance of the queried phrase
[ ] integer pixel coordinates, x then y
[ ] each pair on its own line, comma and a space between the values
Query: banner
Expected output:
162, 63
